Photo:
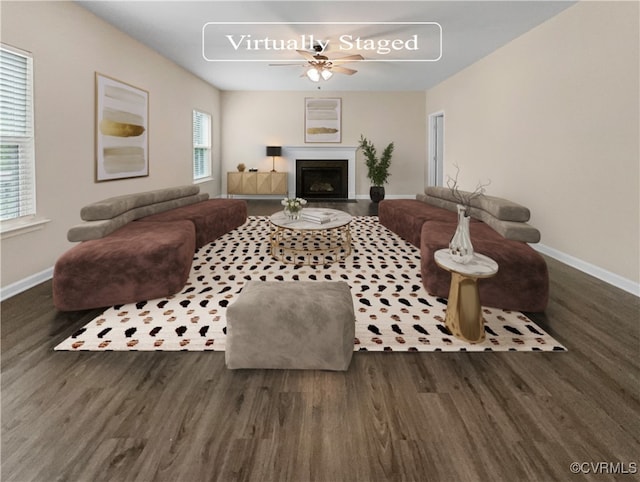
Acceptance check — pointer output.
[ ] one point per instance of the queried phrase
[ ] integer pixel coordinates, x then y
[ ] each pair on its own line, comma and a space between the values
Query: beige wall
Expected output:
253, 120
69, 45
552, 120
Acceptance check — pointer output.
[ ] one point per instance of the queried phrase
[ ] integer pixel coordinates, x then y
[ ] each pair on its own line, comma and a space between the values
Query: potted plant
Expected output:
377, 169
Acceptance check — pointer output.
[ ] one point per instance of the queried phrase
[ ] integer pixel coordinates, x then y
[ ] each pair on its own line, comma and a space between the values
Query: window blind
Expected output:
17, 166
201, 145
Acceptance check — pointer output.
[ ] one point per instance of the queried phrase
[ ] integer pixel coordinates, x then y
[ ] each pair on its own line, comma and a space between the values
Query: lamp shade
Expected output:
313, 74
274, 151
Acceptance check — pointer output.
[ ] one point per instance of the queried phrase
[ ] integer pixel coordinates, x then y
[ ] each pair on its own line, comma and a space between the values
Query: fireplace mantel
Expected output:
292, 153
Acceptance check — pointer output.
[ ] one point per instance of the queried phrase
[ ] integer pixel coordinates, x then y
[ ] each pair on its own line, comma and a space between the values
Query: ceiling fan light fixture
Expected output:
313, 74
326, 74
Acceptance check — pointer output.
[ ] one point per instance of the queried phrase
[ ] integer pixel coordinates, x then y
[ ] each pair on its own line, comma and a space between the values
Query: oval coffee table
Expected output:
304, 242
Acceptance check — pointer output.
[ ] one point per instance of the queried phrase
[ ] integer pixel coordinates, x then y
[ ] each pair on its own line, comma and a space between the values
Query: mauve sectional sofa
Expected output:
498, 229
139, 246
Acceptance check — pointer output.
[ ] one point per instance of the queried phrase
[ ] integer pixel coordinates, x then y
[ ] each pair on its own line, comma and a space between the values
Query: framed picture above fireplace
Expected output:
323, 119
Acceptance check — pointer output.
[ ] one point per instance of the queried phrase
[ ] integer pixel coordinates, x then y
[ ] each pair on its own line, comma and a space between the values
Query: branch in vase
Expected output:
463, 197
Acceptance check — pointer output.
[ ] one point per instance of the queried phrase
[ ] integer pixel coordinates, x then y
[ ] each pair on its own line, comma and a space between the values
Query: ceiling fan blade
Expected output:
343, 70
348, 58
285, 65
306, 55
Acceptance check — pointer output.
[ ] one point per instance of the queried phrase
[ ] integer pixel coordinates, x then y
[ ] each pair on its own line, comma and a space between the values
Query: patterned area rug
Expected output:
393, 310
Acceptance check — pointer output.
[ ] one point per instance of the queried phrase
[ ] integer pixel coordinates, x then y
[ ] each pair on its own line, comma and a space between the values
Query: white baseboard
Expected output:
268, 196
247, 197
26, 283
388, 196
593, 270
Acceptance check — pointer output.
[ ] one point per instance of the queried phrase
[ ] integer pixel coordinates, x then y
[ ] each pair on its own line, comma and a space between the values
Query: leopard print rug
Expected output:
393, 310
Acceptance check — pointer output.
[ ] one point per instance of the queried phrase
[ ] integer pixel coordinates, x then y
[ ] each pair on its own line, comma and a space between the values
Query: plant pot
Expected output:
376, 193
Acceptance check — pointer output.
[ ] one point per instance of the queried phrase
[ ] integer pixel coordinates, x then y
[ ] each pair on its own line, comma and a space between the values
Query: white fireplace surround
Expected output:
293, 153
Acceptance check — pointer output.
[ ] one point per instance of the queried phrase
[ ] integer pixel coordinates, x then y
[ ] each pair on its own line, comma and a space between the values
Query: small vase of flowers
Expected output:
293, 206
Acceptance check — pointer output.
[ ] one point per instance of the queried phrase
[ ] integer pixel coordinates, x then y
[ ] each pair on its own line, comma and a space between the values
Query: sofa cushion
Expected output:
136, 262
405, 217
515, 230
100, 228
500, 208
212, 218
522, 281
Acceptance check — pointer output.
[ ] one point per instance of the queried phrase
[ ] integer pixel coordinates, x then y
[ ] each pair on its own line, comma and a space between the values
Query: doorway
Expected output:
435, 162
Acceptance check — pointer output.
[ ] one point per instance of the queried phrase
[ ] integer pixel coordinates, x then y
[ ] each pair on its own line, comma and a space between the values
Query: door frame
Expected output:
435, 170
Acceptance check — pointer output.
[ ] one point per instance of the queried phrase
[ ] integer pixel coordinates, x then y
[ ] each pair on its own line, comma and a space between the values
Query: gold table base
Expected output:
310, 246
464, 312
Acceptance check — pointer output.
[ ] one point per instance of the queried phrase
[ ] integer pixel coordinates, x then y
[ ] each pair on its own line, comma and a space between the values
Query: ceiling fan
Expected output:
320, 66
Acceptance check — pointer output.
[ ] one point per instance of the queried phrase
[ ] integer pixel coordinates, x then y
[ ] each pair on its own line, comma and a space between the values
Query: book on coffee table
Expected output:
320, 217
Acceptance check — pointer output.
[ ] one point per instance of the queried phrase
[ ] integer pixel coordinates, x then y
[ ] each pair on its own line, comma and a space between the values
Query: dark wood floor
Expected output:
392, 416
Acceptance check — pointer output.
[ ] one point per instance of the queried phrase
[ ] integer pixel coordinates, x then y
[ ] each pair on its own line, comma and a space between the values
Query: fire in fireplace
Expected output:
322, 179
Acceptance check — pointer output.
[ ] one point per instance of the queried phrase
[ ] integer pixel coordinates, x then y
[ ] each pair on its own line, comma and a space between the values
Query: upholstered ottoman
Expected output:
296, 324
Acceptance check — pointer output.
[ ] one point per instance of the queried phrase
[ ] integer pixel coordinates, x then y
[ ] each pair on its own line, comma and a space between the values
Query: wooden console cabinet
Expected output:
257, 183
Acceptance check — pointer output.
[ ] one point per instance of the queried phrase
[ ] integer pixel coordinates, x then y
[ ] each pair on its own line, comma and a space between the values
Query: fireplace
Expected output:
327, 153
322, 178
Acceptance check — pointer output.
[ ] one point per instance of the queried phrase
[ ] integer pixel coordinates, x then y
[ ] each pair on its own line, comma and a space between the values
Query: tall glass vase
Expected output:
460, 245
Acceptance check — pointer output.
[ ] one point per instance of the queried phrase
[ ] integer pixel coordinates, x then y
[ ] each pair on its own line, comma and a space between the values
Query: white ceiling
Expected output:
470, 31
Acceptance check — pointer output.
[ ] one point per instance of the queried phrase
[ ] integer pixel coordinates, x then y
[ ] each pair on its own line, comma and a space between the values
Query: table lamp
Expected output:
274, 151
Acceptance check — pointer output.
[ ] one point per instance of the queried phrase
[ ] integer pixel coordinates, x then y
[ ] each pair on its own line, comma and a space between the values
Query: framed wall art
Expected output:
322, 120
122, 130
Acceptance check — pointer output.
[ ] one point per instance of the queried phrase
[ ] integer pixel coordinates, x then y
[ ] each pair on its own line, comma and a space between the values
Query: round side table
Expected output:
464, 314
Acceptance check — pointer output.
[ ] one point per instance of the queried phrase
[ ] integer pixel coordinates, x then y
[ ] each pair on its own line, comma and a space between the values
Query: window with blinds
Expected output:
201, 145
17, 157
